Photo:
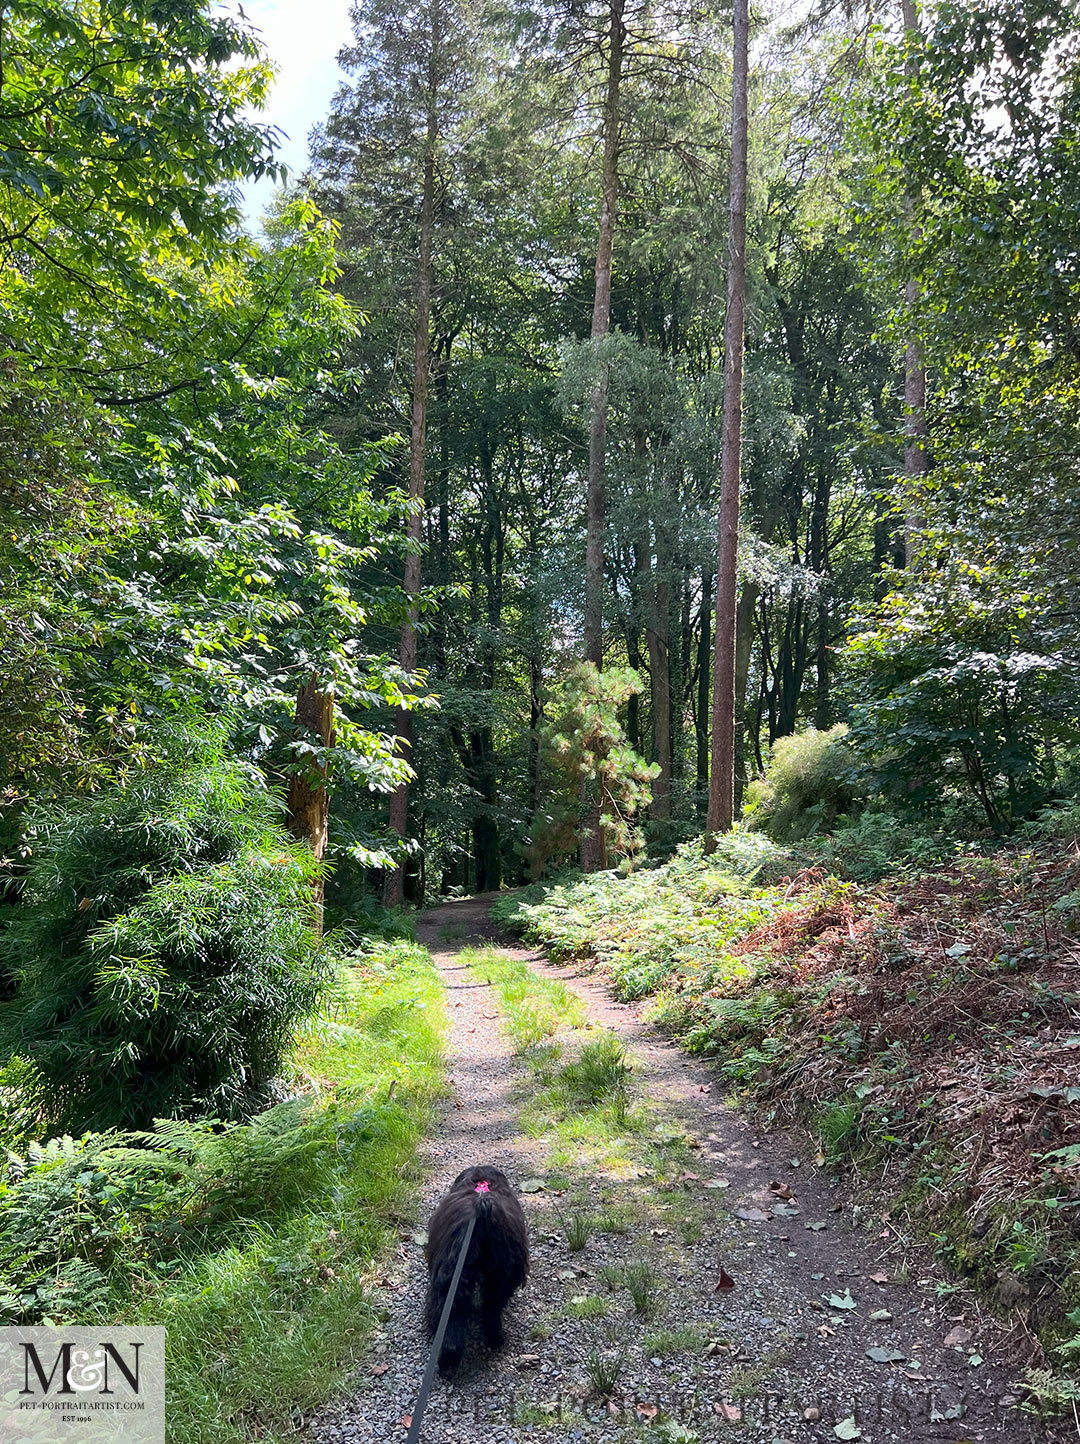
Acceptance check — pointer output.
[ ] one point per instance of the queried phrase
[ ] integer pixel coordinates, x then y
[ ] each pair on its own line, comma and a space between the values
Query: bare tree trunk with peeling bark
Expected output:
592, 842
308, 813
721, 813
394, 890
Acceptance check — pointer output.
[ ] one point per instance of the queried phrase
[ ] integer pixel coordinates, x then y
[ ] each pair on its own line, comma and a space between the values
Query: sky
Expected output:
302, 38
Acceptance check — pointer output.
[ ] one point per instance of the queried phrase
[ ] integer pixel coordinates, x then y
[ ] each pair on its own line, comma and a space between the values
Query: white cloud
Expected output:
302, 38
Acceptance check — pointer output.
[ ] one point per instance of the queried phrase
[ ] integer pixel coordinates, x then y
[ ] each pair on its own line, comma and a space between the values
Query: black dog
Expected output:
496, 1264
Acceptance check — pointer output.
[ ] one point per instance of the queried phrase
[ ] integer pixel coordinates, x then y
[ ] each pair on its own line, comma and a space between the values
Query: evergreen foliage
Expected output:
595, 777
162, 955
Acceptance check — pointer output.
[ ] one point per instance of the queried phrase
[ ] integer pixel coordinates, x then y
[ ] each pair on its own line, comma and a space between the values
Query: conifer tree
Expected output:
382, 159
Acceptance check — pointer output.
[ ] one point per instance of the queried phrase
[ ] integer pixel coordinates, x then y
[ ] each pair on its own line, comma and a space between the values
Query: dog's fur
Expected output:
496, 1265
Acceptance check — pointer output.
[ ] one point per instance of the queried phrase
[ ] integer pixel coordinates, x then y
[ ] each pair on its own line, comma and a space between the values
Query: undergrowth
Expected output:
928, 1023
251, 1243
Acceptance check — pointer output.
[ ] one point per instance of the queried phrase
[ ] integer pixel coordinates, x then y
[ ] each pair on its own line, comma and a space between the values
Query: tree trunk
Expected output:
633, 705
308, 813
593, 851
653, 590
601, 324
399, 800
721, 812
701, 712
822, 706
744, 641
915, 463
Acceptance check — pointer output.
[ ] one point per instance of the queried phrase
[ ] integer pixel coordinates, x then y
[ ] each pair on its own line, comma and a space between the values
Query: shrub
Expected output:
809, 782
161, 955
587, 760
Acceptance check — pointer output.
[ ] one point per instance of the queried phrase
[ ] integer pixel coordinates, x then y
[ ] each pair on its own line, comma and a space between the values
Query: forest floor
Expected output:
692, 1279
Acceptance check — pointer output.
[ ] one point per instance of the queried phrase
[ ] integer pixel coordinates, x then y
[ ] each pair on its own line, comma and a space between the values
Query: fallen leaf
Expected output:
886, 1356
848, 1429
405, 1421
782, 1190
878, 1278
646, 1411
842, 1301
752, 1215
725, 1281
954, 1411
975, 1361
420, 1236
955, 1337
730, 1412
880, 1316
718, 1183
380, 1369
532, 1185
815, 1227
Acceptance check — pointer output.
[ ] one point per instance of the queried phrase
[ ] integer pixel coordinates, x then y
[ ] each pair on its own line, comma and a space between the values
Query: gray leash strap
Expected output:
440, 1334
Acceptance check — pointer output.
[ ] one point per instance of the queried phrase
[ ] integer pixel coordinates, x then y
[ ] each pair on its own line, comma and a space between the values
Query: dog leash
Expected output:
440, 1334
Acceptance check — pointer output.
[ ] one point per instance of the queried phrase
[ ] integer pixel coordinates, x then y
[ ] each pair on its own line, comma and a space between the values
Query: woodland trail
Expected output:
782, 1356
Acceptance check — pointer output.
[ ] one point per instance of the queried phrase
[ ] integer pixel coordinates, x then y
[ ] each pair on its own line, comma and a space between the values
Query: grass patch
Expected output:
287, 1298
603, 1370
591, 1306
577, 1229
535, 1007
253, 1244
687, 1340
641, 1282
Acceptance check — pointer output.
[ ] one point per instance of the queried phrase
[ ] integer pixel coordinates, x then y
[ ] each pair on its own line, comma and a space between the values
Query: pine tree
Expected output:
381, 159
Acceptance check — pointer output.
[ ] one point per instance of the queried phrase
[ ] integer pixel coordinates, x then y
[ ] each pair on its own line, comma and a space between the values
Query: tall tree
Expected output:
721, 812
399, 800
915, 458
379, 161
601, 324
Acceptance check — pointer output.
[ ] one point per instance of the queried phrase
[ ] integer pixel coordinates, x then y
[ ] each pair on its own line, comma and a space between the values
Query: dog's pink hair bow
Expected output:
483, 1187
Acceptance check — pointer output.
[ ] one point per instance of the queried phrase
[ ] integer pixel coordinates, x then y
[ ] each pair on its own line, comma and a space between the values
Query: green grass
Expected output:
690, 1339
588, 1307
265, 1325
535, 1007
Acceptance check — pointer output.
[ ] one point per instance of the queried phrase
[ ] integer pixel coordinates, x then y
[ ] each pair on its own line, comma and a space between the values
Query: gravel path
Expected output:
779, 1357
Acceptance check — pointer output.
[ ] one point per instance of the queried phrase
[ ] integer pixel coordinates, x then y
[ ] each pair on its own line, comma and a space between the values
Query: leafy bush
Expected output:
162, 956
964, 690
809, 782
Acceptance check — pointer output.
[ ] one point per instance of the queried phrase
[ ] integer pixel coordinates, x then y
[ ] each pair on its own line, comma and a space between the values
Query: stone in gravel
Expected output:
956, 1337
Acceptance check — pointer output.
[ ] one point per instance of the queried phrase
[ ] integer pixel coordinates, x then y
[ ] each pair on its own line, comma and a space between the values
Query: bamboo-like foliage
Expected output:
163, 954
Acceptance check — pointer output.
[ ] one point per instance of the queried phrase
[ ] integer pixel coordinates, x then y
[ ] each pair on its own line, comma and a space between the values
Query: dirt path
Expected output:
780, 1357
